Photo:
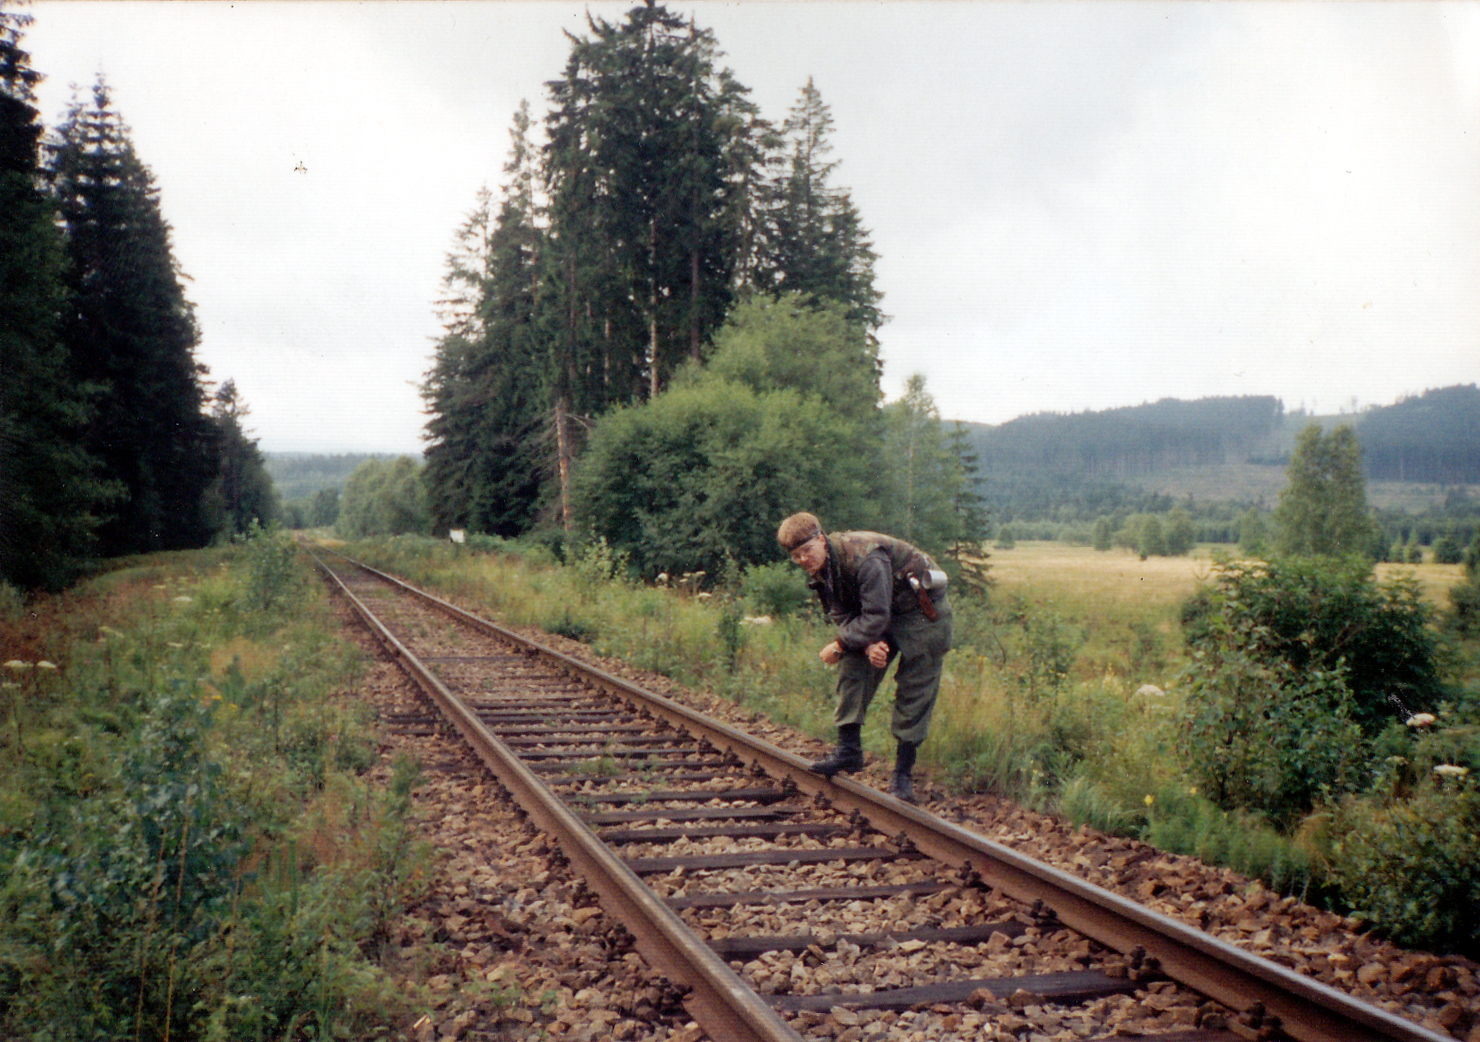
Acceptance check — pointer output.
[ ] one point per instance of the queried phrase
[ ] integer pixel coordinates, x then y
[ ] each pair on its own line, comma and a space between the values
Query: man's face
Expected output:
812, 554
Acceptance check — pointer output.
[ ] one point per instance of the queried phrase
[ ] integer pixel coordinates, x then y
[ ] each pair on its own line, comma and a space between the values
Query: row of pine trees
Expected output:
111, 442
662, 329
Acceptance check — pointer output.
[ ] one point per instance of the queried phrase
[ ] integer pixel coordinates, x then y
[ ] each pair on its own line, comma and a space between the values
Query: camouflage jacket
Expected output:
865, 583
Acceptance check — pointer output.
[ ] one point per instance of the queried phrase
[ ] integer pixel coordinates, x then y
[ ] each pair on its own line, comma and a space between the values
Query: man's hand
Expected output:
878, 654
831, 654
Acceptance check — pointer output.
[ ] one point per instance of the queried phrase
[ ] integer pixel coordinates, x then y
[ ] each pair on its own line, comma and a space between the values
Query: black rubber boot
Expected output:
902, 785
847, 757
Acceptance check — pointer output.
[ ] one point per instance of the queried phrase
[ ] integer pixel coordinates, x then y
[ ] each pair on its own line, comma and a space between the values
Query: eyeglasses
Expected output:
800, 550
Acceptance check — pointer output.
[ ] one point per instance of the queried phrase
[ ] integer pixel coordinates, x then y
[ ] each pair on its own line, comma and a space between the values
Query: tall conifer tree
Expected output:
642, 238
243, 488
818, 246
131, 332
50, 490
488, 391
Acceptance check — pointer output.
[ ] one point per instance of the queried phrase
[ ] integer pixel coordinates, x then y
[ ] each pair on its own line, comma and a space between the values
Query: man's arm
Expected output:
875, 594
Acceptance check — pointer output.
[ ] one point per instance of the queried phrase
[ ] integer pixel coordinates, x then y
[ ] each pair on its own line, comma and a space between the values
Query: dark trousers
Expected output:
920, 647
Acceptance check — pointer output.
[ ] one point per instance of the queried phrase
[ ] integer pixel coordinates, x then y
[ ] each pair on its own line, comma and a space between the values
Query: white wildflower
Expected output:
1451, 770
182, 599
17, 665
1421, 720
43, 664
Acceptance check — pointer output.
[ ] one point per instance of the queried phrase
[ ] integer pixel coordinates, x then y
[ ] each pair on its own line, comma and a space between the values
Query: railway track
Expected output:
784, 904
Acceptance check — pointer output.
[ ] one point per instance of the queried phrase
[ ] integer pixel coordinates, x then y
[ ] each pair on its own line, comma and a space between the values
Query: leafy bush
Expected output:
783, 417
1410, 866
143, 874
1262, 736
12, 601
274, 579
384, 497
1043, 645
1448, 549
1322, 614
778, 590
1464, 616
1464, 599
148, 891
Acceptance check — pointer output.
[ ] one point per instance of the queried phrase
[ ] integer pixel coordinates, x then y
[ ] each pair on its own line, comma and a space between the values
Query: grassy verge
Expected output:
188, 845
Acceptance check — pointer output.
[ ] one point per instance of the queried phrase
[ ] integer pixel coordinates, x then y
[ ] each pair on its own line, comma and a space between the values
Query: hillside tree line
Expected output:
110, 442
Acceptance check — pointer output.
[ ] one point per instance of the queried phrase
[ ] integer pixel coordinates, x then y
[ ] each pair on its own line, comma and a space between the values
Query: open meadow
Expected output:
1119, 580
1120, 612
1126, 609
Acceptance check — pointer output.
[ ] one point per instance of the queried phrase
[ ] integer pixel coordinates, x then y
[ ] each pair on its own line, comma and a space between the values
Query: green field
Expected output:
1114, 582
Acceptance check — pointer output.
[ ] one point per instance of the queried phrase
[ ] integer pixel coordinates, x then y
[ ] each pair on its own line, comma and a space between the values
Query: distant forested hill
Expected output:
1433, 438
1120, 443
1077, 465
298, 475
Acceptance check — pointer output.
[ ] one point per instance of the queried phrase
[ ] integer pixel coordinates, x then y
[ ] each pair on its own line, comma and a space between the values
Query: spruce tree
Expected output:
50, 488
968, 548
489, 391
243, 488
817, 243
451, 397
131, 332
643, 239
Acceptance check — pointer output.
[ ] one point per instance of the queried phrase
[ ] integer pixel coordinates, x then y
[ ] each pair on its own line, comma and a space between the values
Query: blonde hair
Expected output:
797, 529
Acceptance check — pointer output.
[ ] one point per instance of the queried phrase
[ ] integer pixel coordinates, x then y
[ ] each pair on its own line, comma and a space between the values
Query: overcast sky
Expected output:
1075, 205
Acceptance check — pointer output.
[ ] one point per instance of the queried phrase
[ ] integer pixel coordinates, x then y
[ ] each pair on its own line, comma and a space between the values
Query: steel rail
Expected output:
717, 998
1307, 1010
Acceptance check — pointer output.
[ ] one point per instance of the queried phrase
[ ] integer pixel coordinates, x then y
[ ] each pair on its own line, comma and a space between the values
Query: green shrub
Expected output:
145, 888
1042, 645
564, 624
12, 602
1409, 866
1323, 614
107, 908
597, 563
274, 578
1262, 736
1448, 549
778, 590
